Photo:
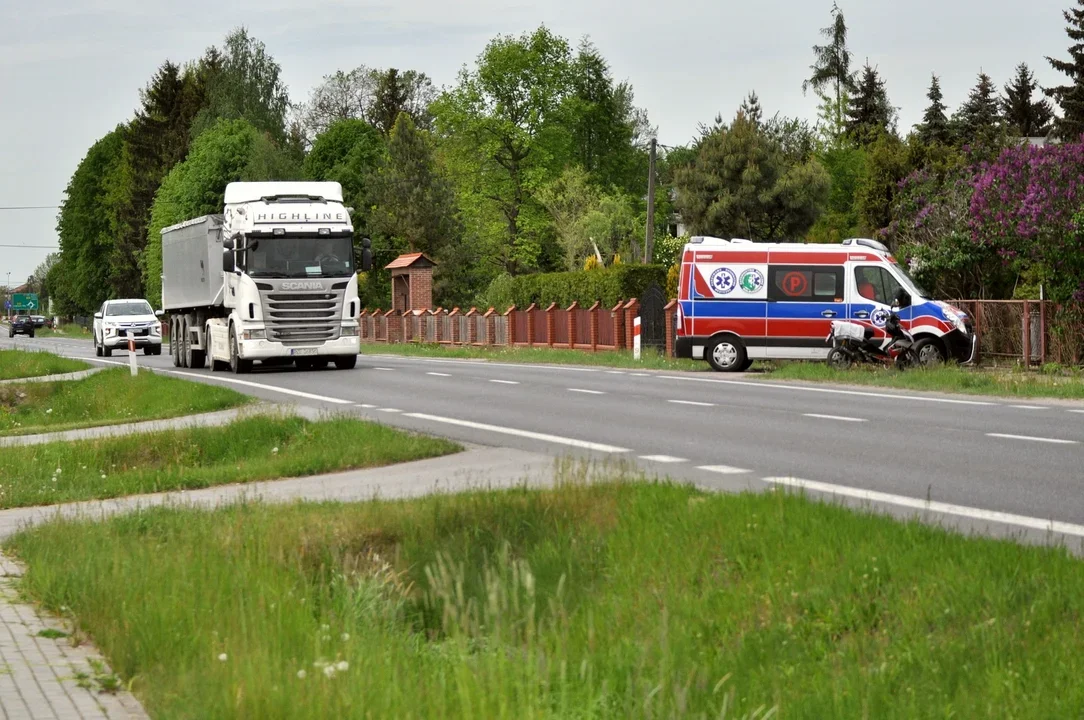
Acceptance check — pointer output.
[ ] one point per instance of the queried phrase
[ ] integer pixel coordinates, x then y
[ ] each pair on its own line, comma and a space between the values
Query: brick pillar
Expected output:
617, 317
408, 326
551, 323
510, 313
595, 310
394, 322
472, 326
532, 312
572, 323
491, 326
670, 315
632, 311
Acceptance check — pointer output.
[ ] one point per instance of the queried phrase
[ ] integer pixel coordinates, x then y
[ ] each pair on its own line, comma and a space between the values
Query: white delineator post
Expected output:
636, 338
131, 354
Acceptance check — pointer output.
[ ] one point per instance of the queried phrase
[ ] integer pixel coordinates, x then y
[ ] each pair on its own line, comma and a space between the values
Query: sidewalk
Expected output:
40, 677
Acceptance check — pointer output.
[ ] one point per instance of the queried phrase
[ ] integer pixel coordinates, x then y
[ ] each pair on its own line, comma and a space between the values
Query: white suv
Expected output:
116, 318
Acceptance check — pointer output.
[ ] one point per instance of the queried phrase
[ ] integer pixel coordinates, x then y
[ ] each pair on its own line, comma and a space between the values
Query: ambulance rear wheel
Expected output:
727, 354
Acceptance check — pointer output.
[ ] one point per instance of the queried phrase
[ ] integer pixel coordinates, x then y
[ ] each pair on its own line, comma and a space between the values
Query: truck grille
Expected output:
302, 318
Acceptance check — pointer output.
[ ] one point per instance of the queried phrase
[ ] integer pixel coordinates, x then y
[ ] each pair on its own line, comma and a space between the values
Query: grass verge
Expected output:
566, 603
16, 364
68, 330
107, 398
255, 448
950, 379
651, 359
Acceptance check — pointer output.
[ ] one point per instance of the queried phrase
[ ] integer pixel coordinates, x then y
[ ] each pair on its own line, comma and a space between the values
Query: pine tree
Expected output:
832, 67
935, 125
870, 113
1071, 96
979, 118
1026, 117
752, 109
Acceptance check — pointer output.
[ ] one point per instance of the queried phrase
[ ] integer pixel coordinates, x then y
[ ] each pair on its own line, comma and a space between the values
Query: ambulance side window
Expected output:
805, 284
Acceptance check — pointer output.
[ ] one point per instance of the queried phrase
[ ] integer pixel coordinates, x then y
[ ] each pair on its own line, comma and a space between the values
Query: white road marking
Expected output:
1030, 407
365, 406
439, 374
1053, 441
544, 437
505, 382
560, 368
841, 418
723, 469
692, 402
938, 507
390, 410
586, 392
616, 372
1077, 411
261, 386
663, 458
641, 375
385, 369
832, 391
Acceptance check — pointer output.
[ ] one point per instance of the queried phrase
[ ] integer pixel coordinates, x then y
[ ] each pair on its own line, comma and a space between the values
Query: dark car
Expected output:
21, 325
39, 320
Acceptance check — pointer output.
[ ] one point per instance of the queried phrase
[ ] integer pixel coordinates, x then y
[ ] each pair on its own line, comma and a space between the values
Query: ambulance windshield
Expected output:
916, 290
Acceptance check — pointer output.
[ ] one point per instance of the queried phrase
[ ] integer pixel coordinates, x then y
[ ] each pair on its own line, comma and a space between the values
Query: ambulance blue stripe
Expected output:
722, 309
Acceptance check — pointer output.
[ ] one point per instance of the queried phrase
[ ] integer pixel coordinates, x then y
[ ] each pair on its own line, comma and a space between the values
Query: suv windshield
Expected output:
135, 307
300, 256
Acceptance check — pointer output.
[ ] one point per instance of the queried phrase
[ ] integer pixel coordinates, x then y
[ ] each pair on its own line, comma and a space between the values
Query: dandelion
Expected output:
59, 471
49, 411
301, 674
345, 637
325, 628
342, 666
329, 671
274, 451
223, 657
103, 476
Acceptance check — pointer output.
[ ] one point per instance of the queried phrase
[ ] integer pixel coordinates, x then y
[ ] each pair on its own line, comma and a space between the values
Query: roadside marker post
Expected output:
636, 338
132, 353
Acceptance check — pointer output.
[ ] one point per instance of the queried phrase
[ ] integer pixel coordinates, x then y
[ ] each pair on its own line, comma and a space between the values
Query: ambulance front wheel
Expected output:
727, 354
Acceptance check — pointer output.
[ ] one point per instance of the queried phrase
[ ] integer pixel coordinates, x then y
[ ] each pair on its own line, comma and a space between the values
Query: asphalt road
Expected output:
989, 465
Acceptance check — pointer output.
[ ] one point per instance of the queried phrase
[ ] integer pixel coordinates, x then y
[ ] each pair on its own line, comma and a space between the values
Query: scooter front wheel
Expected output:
839, 360
907, 359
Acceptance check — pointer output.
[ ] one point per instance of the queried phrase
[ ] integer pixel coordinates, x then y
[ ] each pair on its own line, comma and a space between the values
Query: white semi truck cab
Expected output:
272, 279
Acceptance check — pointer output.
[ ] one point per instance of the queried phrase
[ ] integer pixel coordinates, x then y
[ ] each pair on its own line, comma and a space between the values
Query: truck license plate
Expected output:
302, 351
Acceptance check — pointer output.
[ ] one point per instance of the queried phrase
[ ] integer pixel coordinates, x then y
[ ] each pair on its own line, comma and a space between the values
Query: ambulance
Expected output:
740, 301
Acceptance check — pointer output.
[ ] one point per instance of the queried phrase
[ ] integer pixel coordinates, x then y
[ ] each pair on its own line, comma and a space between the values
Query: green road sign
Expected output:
24, 301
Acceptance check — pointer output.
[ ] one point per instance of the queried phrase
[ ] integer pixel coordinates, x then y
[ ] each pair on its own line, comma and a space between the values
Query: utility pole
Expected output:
649, 240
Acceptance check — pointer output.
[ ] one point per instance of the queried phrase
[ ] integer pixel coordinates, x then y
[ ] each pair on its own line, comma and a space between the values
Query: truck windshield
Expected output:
305, 256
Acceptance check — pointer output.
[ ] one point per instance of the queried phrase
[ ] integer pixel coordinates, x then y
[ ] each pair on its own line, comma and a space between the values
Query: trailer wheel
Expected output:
726, 354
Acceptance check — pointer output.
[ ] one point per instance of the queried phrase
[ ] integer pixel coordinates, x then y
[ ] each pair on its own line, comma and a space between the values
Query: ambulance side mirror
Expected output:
902, 299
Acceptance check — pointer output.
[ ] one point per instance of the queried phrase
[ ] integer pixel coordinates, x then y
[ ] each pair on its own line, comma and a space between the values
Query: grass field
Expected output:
651, 360
25, 364
952, 379
106, 398
604, 601
255, 448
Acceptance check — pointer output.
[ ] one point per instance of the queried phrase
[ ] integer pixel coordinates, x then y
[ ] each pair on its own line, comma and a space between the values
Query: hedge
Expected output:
606, 285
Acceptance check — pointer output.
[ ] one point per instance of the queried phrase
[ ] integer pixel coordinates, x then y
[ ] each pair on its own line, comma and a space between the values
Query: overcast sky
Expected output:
70, 70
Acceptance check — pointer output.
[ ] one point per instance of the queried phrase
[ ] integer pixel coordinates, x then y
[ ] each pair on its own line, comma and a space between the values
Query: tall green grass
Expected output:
255, 448
607, 601
26, 364
107, 398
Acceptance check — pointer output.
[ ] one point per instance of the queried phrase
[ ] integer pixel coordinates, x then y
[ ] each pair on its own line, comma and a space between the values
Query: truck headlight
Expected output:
254, 334
349, 331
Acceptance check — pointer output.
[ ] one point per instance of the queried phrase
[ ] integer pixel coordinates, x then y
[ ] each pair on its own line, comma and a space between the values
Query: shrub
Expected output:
606, 285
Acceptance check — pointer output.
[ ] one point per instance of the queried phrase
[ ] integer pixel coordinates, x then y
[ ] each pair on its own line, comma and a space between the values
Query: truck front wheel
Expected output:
237, 365
346, 362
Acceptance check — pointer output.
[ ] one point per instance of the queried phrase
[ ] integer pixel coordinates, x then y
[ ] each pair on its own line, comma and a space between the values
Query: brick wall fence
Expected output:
590, 329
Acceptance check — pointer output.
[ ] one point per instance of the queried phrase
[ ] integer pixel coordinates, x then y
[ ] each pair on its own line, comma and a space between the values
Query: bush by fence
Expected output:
606, 285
